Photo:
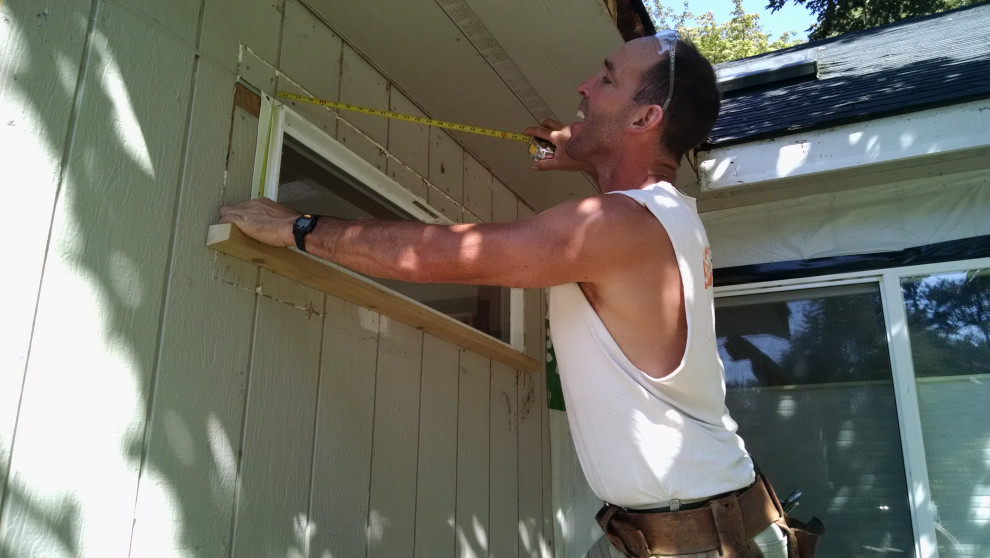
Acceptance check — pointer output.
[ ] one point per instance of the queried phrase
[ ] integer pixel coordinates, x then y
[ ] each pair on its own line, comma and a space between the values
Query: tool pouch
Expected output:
802, 538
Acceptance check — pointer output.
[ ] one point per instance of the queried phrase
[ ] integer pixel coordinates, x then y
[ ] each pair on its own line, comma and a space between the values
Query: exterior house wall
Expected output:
159, 398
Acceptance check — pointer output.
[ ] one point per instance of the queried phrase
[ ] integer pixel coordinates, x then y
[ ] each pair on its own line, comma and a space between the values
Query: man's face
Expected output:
607, 105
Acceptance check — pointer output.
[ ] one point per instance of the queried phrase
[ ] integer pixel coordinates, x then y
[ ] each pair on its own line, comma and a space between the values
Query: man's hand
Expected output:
263, 220
558, 134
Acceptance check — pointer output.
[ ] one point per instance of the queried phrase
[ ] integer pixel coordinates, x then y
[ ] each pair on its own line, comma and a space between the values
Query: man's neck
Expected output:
630, 174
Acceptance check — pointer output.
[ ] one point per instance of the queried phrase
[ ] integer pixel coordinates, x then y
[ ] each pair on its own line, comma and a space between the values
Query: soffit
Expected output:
461, 60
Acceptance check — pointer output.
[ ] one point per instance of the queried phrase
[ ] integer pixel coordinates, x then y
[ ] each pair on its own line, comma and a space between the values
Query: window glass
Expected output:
309, 184
810, 385
949, 328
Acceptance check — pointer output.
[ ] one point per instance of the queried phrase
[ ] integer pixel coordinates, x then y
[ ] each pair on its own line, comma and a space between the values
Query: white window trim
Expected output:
902, 366
275, 120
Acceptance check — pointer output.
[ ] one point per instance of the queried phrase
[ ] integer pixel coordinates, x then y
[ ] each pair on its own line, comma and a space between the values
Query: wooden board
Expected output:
473, 449
272, 513
344, 426
436, 482
230, 240
392, 502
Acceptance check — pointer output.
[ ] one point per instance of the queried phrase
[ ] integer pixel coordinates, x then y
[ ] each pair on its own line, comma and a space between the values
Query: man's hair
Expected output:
692, 111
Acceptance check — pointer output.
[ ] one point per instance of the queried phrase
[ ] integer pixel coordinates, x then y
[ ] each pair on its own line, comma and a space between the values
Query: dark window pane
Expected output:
310, 184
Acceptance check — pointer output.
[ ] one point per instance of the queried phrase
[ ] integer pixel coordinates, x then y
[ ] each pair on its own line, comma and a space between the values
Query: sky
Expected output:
791, 17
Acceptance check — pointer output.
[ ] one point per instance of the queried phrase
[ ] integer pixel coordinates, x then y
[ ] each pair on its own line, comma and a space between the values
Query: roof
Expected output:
906, 66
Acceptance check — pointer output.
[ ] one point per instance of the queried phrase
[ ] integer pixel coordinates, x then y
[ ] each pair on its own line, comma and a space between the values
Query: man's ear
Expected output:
647, 117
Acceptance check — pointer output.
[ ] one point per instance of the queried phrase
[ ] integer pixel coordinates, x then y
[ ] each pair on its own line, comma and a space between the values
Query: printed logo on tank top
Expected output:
707, 266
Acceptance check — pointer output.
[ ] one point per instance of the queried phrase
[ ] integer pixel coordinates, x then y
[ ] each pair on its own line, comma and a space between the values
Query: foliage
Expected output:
740, 37
840, 16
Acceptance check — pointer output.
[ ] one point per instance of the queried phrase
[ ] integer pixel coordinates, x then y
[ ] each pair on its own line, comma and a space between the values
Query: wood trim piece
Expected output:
309, 271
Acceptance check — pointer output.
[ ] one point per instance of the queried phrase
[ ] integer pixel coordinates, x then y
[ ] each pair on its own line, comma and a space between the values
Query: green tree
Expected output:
840, 16
740, 37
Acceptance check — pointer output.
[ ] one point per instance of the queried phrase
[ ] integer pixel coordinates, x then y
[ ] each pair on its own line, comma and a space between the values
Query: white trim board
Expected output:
948, 132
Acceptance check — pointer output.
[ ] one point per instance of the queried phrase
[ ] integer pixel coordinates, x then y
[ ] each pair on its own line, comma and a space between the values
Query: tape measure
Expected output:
538, 148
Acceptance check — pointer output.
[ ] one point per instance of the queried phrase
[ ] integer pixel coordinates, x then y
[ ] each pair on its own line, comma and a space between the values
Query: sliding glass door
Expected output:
810, 383
870, 393
948, 317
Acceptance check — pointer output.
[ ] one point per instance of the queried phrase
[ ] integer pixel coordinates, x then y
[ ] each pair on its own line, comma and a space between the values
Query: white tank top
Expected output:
643, 441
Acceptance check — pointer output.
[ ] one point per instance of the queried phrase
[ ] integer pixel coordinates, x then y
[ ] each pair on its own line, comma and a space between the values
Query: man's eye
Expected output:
606, 80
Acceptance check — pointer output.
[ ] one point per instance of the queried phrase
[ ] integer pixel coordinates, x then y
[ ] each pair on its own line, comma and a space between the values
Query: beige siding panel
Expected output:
362, 85
36, 100
272, 515
530, 464
575, 506
407, 141
392, 514
180, 17
477, 189
437, 473
194, 431
532, 428
255, 24
97, 323
503, 452
237, 188
504, 203
474, 387
344, 426
310, 57
409, 146
446, 165
443, 204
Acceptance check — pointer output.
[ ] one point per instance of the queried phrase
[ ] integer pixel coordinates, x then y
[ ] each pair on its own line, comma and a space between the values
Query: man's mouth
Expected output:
580, 115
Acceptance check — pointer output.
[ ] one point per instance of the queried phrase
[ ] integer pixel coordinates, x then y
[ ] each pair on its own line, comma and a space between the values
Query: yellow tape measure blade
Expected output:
407, 117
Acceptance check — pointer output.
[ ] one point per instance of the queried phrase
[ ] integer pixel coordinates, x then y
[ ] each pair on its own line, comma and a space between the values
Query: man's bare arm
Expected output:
576, 241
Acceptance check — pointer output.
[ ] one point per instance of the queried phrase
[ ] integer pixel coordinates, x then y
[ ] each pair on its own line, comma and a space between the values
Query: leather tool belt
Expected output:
725, 523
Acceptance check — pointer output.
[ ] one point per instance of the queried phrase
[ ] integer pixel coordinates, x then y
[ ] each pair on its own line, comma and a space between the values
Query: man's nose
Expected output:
584, 86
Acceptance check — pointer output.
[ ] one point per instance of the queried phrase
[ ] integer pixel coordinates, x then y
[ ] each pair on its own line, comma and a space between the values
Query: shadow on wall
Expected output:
79, 442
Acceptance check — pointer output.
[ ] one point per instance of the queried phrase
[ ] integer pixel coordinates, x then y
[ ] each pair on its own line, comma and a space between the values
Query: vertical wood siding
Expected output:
158, 398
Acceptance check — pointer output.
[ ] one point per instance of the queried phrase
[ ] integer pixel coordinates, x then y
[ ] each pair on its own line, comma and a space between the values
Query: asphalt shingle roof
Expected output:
903, 67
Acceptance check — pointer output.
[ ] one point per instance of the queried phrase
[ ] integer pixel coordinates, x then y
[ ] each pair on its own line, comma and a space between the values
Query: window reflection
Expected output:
808, 336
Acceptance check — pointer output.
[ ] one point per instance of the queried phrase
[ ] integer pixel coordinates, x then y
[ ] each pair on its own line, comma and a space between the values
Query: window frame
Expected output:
275, 120
902, 366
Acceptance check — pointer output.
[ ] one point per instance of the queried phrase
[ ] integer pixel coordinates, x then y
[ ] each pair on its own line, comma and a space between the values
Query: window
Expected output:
301, 167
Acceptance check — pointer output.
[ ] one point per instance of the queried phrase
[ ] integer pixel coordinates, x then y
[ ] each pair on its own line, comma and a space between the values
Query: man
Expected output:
631, 311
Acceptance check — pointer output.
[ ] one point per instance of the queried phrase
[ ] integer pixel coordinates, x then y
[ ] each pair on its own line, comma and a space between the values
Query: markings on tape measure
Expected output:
407, 117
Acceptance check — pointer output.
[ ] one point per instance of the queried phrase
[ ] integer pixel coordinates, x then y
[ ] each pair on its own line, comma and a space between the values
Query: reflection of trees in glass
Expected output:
949, 322
838, 339
816, 340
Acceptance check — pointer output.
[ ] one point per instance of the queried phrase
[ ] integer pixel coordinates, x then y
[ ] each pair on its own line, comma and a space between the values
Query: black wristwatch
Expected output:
303, 226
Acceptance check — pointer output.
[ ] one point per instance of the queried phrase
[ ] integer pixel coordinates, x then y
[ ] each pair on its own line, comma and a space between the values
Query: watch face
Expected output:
305, 222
